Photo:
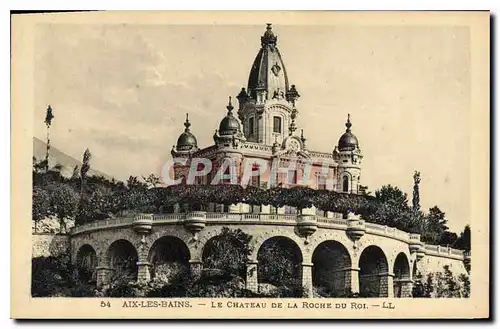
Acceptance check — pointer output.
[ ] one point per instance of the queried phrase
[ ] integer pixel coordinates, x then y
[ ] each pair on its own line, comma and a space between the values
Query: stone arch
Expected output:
79, 241
86, 263
402, 275
122, 257
279, 261
224, 252
257, 242
168, 255
373, 266
331, 268
332, 234
203, 237
174, 231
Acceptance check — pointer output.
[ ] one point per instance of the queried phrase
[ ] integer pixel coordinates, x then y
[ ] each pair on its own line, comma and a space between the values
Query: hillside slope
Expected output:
56, 156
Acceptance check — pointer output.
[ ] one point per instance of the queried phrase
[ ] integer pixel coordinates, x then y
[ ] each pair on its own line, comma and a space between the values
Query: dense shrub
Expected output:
441, 285
56, 277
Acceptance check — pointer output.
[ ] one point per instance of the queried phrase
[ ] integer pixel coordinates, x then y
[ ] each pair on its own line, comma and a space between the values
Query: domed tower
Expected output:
348, 156
229, 133
265, 107
186, 143
186, 146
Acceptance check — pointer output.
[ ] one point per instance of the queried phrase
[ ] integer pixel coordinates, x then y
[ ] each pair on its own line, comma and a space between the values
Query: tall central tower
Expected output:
267, 107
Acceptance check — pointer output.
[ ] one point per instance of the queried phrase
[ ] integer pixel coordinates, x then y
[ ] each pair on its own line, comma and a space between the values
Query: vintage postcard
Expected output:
250, 165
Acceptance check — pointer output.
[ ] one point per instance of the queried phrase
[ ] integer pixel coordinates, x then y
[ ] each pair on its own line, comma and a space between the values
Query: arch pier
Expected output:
337, 258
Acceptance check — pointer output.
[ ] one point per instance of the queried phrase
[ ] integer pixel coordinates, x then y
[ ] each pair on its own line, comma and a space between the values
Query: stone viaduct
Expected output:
364, 254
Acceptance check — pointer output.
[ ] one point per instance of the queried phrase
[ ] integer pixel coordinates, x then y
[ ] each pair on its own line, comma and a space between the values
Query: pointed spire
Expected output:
187, 124
292, 127
229, 107
348, 123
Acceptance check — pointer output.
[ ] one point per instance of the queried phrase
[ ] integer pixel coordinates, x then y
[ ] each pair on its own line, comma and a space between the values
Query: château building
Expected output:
264, 128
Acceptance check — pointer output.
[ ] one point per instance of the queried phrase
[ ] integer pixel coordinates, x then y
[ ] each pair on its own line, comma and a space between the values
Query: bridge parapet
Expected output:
196, 221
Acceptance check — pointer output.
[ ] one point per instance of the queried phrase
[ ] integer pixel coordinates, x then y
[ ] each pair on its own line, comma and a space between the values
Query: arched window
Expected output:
345, 184
250, 126
277, 124
255, 180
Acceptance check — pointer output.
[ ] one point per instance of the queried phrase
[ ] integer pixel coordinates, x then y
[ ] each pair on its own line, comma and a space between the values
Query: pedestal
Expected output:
195, 267
403, 288
265, 209
234, 208
352, 279
252, 282
386, 285
244, 208
143, 273
103, 275
307, 278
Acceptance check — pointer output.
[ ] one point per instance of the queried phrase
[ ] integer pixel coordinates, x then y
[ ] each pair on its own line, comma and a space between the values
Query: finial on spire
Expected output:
229, 107
268, 38
187, 124
348, 123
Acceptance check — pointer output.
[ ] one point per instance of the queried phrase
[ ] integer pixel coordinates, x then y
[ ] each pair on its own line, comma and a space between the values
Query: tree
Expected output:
84, 170
392, 210
134, 183
434, 226
152, 180
447, 238
63, 204
416, 192
228, 252
41, 205
463, 242
48, 122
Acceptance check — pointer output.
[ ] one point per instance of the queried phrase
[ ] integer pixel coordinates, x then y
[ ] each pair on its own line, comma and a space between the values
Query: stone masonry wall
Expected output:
49, 244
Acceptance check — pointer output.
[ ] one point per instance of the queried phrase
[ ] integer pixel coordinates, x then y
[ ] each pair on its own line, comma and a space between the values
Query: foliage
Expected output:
228, 252
434, 226
55, 277
101, 198
463, 242
416, 192
278, 264
63, 203
41, 205
392, 210
442, 284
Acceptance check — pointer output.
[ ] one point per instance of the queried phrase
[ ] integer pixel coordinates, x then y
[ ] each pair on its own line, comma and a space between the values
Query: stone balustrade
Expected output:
278, 219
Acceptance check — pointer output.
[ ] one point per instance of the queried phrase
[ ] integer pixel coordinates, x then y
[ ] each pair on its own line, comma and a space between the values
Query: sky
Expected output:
123, 91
